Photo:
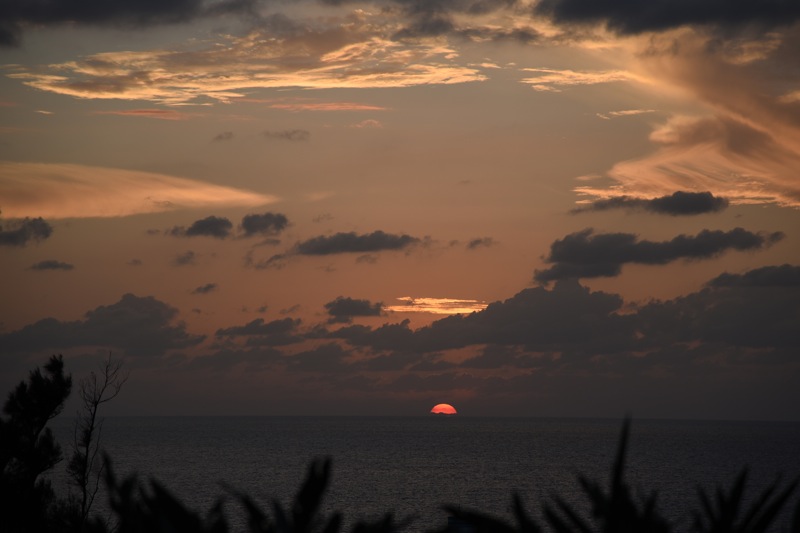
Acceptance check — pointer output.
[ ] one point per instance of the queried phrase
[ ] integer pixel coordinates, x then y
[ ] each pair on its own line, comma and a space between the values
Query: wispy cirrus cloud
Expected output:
357, 53
58, 191
161, 114
554, 80
743, 142
302, 104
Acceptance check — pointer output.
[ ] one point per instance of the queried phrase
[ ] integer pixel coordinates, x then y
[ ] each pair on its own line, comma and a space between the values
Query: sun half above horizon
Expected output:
443, 409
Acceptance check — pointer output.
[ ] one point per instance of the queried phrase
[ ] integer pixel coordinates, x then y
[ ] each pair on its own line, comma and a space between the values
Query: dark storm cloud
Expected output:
496, 356
326, 358
632, 16
435, 18
211, 226
276, 333
51, 264
339, 243
342, 309
140, 326
536, 318
22, 232
264, 224
769, 276
205, 289
18, 15
676, 204
259, 327
758, 309
288, 135
585, 255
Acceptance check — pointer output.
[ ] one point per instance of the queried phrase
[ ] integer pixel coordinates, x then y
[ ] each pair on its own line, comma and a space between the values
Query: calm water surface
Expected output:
412, 466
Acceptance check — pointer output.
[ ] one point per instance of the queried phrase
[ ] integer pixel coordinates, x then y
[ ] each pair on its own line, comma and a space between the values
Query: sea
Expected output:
412, 466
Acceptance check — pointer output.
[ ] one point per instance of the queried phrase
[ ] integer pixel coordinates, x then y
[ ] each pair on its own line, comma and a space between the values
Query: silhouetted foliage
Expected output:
28, 448
156, 510
616, 511
728, 516
27, 503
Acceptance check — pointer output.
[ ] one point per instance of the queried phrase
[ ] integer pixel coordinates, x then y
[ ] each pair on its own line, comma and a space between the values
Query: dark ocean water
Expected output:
413, 465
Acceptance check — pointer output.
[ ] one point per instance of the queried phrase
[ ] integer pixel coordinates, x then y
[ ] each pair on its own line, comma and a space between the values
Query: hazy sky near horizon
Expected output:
552, 207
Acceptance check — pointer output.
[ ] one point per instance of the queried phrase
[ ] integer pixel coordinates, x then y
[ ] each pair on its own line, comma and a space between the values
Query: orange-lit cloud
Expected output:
162, 114
745, 144
301, 105
369, 123
57, 191
624, 113
437, 306
358, 54
547, 79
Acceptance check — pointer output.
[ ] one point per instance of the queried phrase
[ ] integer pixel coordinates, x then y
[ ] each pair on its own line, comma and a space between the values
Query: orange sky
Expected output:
324, 207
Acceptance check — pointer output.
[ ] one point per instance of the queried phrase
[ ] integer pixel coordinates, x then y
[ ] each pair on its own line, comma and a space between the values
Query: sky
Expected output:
334, 207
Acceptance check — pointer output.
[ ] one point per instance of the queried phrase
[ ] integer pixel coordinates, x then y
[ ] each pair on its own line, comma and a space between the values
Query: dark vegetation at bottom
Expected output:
29, 504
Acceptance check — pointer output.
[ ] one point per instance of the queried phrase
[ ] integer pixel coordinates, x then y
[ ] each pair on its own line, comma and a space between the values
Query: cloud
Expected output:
553, 80
211, 226
368, 124
745, 146
21, 232
768, 276
481, 242
676, 204
624, 113
354, 51
137, 326
56, 191
205, 289
51, 264
584, 255
259, 333
186, 258
17, 15
344, 309
328, 358
224, 136
437, 306
339, 243
263, 224
535, 318
634, 17
288, 135
161, 114
298, 104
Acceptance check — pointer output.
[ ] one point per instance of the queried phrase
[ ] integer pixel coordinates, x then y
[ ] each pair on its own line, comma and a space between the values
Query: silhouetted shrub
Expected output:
28, 449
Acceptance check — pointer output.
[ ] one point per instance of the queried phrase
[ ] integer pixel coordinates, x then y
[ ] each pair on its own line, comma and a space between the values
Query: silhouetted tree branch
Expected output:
85, 468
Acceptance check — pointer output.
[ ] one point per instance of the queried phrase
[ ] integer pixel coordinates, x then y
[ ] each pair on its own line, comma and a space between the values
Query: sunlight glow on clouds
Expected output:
725, 157
77, 191
547, 79
437, 306
352, 56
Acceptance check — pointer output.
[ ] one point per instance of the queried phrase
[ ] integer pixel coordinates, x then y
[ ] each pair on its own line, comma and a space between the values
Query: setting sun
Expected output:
443, 409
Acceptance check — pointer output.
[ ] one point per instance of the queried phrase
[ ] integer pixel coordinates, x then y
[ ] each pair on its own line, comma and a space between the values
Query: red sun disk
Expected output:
443, 409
